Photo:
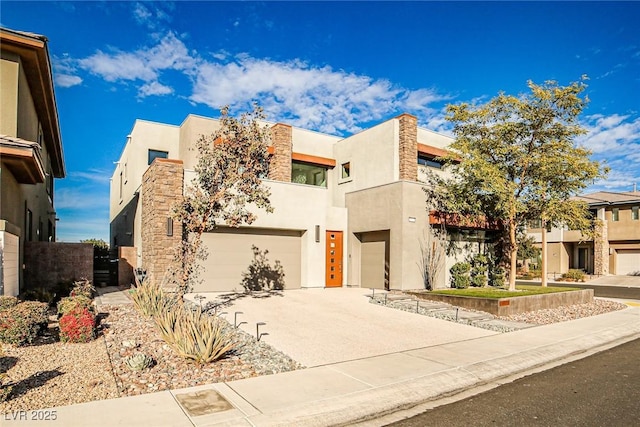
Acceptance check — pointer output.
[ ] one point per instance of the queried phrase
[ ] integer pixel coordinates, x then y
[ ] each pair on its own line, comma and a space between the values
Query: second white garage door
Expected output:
230, 255
628, 261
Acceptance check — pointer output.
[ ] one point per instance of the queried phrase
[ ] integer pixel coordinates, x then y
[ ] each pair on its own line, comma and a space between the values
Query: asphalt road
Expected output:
600, 390
604, 291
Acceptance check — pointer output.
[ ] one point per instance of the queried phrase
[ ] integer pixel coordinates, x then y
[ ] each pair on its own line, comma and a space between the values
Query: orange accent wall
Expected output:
316, 160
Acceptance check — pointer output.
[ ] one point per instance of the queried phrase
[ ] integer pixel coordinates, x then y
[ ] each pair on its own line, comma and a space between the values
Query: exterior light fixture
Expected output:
317, 234
169, 227
412, 219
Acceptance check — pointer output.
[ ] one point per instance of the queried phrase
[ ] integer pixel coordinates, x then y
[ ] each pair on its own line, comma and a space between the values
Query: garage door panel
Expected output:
230, 254
372, 265
628, 261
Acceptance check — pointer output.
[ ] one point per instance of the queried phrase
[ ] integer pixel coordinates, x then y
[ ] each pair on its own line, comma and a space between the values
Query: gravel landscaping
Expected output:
49, 373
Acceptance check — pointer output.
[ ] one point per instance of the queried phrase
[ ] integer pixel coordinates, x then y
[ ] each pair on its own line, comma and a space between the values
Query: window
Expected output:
346, 170
615, 214
28, 223
429, 160
154, 154
635, 213
308, 174
120, 185
535, 223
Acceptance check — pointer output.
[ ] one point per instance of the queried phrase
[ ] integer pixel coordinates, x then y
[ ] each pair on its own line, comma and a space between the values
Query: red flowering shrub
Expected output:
78, 325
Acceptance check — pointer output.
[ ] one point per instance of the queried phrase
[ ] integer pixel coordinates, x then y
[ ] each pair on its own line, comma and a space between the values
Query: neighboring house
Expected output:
30, 151
347, 211
616, 247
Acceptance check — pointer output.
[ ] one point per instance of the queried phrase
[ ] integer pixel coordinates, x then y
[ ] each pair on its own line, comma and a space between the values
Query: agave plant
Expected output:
139, 362
150, 299
195, 335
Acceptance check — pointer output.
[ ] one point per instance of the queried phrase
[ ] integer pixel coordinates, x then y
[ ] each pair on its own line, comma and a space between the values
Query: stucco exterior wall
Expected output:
9, 71
624, 229
373, 157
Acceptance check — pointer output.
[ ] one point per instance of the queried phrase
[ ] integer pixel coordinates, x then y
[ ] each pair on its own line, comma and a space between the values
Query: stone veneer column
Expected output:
280, 163
162, 185
408, 147
601, 245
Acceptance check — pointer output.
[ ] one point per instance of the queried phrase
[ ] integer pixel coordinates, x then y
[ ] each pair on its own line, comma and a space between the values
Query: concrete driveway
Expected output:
628, 281
321, 326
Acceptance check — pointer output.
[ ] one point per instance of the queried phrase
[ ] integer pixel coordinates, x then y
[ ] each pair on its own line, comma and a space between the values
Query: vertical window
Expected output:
635, 213
346, 170
615, 214
120, 185
154, 154
28, 225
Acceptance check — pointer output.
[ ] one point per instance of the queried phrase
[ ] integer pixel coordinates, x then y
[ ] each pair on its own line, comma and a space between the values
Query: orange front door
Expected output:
334, 259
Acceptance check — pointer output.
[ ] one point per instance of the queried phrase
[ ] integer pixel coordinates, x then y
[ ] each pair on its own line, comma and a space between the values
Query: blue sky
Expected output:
331, 67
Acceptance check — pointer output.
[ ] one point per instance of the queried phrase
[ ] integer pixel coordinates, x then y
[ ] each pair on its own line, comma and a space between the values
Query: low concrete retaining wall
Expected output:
513, 305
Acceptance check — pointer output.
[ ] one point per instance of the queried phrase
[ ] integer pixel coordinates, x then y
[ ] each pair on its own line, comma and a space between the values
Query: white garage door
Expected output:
628, 261
230, 255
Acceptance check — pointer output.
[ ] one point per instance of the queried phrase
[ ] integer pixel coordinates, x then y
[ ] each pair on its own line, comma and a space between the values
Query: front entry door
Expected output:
334, 259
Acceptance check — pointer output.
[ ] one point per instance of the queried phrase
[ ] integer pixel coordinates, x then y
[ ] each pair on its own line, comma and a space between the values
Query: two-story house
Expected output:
616, 246
347, 211
30, 151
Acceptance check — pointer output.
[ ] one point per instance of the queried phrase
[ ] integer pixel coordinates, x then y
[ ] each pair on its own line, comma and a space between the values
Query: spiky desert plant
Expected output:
83, 287
150, 299
138, 362
195, 335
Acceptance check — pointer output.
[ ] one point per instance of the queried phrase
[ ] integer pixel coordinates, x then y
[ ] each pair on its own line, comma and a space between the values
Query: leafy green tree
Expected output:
515, 158
97, 243
527, 249
231, 163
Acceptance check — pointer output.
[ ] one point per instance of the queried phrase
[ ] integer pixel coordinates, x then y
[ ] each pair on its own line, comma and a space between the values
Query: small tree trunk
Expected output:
543, 255
513, 252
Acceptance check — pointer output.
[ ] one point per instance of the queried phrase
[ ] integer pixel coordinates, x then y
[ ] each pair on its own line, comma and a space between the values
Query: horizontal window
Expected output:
429, 160
308, 174
154, 154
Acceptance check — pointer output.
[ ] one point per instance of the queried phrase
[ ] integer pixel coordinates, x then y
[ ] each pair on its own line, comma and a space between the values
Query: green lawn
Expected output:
494, 293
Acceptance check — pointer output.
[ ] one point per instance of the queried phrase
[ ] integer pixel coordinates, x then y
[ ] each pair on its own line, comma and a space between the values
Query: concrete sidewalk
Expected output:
358, 390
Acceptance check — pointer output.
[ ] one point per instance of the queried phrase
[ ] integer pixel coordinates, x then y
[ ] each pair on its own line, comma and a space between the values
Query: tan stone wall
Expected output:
280, 165
408, 147
162, 185
126, 263
601, 249
48, 263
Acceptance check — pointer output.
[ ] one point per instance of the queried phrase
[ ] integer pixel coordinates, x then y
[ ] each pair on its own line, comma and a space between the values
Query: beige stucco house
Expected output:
616, 247
348, 211
30, 151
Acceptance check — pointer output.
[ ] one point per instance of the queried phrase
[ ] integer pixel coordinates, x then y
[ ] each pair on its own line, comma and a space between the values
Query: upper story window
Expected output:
535, 223
154, 154
429, 160
615, 214
635, 213
346, 170
308, 174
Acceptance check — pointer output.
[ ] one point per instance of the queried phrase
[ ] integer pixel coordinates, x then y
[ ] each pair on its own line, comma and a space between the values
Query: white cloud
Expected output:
64, 72
66, 80
315, 97
154, 88
99, 176
614, 140
151, 14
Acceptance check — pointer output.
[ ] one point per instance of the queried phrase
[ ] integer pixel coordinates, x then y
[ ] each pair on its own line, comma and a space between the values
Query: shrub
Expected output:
71, 303
150, 299
21, 323
83, 287
479, 271
496, 277
261, 276
38, 294
575, 275
535, 273
77, 326
5, 389
460, 275
195, 335
6, 302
